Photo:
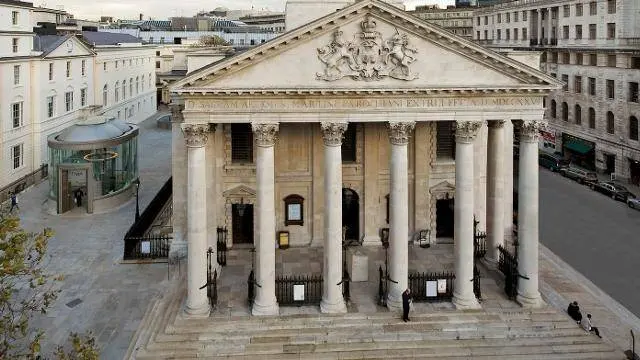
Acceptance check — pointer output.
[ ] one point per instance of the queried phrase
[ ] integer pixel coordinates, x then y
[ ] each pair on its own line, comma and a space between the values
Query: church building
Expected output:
360, 117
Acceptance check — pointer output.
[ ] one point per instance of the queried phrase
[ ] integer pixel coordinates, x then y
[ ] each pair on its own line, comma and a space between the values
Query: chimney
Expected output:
141, 17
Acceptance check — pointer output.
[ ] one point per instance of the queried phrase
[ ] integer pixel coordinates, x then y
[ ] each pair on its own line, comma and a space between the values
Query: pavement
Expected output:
102, 295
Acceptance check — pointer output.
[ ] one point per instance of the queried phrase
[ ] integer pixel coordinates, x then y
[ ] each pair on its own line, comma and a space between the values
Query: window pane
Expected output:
241, 143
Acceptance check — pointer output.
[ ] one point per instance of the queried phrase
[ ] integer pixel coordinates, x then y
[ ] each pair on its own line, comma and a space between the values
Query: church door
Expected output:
444, 218
242, 223
351, 214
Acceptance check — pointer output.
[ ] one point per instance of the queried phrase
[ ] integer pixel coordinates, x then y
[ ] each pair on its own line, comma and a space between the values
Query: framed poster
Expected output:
145, 247
442, 286
295, 212
298, 292
431, 288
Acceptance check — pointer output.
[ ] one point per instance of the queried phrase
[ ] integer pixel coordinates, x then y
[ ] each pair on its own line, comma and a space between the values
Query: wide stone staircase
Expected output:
479, 334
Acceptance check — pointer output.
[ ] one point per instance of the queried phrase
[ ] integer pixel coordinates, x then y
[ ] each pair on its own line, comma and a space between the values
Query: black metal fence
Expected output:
24, 182
299, 289
212, 281
147, 247
346, 285
251, 290
479, 241
433, 286
508, 265
222, 246
135, 237
476, 282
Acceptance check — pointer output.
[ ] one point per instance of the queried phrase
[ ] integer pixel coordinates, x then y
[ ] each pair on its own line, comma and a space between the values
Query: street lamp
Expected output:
137, 183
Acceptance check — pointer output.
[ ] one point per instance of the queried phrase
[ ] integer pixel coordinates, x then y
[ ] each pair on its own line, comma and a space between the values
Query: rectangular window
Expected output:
499, 33
611, 30
16, 114
116, 62
579, 59
611, 6
17, 154
566, 58
593, 8
566, 10
577, 84
499, 18
611, 89
478, 35
486, 34
68, 69
578, 32
14, 45
565, 32
104, 67
241, 143
524, 15
445, 139
14, 17
157, 64
565, 80
633, 92
84, 67
611, 60
592, 86
524, 33
593, 59
592, 31
579, 9
68, 101
508, 33
83, 97
51, 101
16, 74
515, 34
508, 17
486, 20
50, 71
161, 40
349, 144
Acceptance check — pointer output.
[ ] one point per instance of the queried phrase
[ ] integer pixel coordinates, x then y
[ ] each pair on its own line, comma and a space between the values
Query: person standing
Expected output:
14, 202
406, 304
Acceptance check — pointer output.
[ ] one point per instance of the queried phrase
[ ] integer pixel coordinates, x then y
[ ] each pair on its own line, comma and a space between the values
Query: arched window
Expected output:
553, 109
633, 128
610, 122
124, 89
116, 91
592, 118
130, 86
137, 85
565, 111
578, 114
105, 94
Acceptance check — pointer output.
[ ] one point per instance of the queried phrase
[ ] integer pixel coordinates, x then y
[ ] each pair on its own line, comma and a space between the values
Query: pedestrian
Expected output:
586, 324
406, 304
14, 202
574, 311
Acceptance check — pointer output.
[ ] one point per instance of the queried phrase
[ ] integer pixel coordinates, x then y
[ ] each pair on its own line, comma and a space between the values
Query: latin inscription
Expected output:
376, 103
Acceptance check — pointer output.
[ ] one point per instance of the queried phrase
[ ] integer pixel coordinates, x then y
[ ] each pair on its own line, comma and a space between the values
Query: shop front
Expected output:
581, 152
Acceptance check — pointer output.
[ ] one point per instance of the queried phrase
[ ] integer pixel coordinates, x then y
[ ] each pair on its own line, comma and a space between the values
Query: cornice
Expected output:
532, 91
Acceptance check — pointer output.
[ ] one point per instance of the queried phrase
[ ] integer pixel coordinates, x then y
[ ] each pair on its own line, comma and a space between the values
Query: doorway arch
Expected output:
351, 214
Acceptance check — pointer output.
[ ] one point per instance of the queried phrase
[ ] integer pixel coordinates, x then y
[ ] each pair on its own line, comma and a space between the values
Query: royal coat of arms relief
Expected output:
368, 57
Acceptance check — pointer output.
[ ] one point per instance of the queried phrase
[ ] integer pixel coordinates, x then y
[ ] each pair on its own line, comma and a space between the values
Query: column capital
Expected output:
333, 132
195, 135
400, 131
176, 112
265, 134
466, 131
496, 124
530, 130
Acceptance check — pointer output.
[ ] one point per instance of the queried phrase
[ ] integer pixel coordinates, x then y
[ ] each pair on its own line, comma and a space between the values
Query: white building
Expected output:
457, 20
240, 38
594, 48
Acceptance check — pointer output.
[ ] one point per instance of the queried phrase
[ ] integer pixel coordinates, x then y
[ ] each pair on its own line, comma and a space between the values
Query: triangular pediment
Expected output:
68, 46
442, 187
368, 45
240, 191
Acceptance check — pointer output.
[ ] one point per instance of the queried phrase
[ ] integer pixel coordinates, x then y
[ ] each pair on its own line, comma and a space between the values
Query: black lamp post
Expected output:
137, 183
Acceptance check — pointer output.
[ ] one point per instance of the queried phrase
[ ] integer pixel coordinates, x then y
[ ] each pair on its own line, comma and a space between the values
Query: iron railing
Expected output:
476, 282
147, 247
508, 265
24, 182
346, 285
299, 289
221, 246
433, 286
251, 290
479, 241
212, 281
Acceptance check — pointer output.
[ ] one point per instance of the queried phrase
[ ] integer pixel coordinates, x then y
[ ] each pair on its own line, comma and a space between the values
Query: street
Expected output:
597, 236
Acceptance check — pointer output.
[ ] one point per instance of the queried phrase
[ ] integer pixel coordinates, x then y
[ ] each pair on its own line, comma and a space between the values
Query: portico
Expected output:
304, 95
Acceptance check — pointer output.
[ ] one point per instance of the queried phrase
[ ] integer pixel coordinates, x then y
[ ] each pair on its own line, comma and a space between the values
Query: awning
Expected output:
578, 146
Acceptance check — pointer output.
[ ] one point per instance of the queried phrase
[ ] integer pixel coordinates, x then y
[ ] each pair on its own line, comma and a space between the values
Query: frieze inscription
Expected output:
346, 104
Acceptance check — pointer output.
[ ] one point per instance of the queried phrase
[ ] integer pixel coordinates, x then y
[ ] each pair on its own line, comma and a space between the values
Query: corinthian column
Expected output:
463, 296
195, 136
528, 294
265, 303
332, 300
495, 189
399, 133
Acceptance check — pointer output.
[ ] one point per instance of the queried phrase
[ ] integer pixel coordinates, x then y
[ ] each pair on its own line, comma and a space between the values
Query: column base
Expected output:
265, 310
530, 302
394, 303
338, 307
371, 241
197, 312
465, 303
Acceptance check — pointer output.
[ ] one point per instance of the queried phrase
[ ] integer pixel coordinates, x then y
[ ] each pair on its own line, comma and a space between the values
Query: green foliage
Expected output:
26, 290
213, 40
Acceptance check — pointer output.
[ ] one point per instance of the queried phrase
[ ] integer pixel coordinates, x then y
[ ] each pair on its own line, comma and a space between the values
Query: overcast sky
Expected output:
163, 9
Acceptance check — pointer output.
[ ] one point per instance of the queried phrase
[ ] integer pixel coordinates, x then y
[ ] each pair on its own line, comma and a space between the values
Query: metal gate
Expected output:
508, 265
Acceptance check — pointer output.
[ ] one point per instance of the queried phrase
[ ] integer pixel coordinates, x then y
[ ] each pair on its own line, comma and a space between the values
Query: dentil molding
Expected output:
400, 131
265, 134
333, 132
466, 131
195, 135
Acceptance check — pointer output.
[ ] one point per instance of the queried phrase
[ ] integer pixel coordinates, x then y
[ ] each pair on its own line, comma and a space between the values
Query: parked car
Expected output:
580, 175
616, 191
552, 162
634, 203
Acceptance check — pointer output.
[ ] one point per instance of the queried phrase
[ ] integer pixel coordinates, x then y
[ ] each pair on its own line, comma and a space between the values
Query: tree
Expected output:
213, 40
26, 290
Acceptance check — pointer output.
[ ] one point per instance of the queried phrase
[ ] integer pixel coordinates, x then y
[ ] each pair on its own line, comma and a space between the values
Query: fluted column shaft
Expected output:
265, 302
399, 134
196, 137
539, 23
528, 293
178, 248
495, 189
549, 26
332, 299
463, 296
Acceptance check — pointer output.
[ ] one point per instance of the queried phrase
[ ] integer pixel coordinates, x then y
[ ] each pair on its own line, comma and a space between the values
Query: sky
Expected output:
163, 9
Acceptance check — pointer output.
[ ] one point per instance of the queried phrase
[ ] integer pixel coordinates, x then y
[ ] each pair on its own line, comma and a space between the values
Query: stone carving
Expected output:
497, 124
369, 56
265, 134
530, 130
333, 132
176, 113
466, 131
195, 135
400, 132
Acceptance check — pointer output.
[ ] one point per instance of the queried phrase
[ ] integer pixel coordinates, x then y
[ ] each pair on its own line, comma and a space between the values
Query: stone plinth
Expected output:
358, 265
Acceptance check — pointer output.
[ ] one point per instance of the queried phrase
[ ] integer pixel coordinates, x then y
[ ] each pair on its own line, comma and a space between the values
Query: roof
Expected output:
16, 3
47, 43
108, 38
94, 130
